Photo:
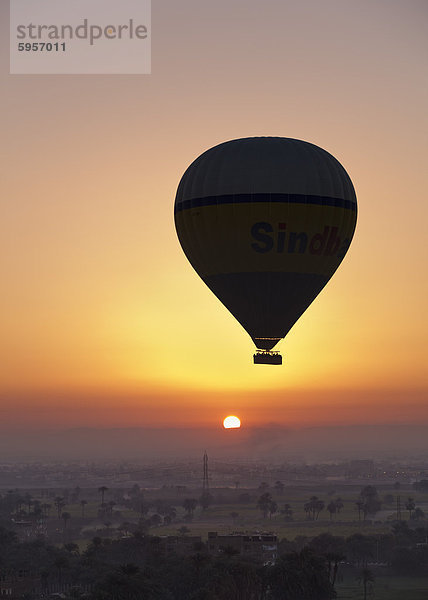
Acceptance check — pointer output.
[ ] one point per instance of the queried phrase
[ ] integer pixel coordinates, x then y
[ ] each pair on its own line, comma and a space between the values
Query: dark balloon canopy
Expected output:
265, 222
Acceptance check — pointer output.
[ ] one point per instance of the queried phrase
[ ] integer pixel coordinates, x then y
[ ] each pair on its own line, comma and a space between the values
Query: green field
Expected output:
250, 519
247, 517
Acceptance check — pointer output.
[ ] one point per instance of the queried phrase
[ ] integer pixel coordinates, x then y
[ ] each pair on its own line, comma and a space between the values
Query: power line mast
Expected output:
205, 483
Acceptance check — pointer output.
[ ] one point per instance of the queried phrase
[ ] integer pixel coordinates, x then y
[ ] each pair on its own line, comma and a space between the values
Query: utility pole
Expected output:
398, 508
205, 483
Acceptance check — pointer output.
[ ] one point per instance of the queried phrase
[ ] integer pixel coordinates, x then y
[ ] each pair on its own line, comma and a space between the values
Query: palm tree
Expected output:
264, 503
111, 505
360, 508
360, 548
229, 551
29, 500
72, 548
65, 517
19, 500
339, 505
332, 508
279, 487
60, 563
76, 493
155, 520
370, 498
189, 506
314, 507
205, 500
334, 559
36, 507
288, 512
273, 507
172, 513
59, 503
103, 489
129, 569
418, 514
123, 528
300, 575
83, 504
367, 578
319, 506
410, 506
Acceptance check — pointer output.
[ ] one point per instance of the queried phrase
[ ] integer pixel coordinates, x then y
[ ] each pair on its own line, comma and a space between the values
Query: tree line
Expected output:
139, 566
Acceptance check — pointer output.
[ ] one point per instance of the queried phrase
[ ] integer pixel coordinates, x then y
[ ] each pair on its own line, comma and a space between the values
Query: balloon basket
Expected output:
267, 357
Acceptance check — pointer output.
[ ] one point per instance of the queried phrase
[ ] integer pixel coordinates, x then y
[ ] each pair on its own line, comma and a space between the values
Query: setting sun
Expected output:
231, 422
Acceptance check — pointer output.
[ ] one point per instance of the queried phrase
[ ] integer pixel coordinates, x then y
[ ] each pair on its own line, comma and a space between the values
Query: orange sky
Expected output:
103, 320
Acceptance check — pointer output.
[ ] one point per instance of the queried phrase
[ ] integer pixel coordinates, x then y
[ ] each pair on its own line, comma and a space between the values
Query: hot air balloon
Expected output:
265, 222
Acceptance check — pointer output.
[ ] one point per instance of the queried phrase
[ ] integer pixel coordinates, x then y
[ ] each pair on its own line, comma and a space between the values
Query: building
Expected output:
361, 469
262, 547
17, 583
184, 545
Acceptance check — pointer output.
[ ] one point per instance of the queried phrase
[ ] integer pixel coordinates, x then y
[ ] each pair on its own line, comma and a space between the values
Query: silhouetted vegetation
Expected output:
127, 542
139, 567
143, 566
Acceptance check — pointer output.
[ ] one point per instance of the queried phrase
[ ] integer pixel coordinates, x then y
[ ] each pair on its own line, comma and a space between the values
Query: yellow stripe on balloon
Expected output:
253, 237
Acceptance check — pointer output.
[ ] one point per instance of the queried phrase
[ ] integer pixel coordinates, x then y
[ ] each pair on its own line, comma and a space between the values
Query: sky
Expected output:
104, 323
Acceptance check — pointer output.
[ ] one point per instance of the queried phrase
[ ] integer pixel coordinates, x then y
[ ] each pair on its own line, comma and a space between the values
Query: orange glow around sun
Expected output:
231, 422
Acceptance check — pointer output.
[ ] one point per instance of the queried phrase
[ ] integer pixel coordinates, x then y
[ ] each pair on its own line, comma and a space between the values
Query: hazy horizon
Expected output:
272, 442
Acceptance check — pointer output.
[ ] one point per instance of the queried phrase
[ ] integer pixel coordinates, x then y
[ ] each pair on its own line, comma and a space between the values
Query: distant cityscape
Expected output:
238, 473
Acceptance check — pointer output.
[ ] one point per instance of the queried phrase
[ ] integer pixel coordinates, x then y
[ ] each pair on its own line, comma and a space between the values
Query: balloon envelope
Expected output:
265, 222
